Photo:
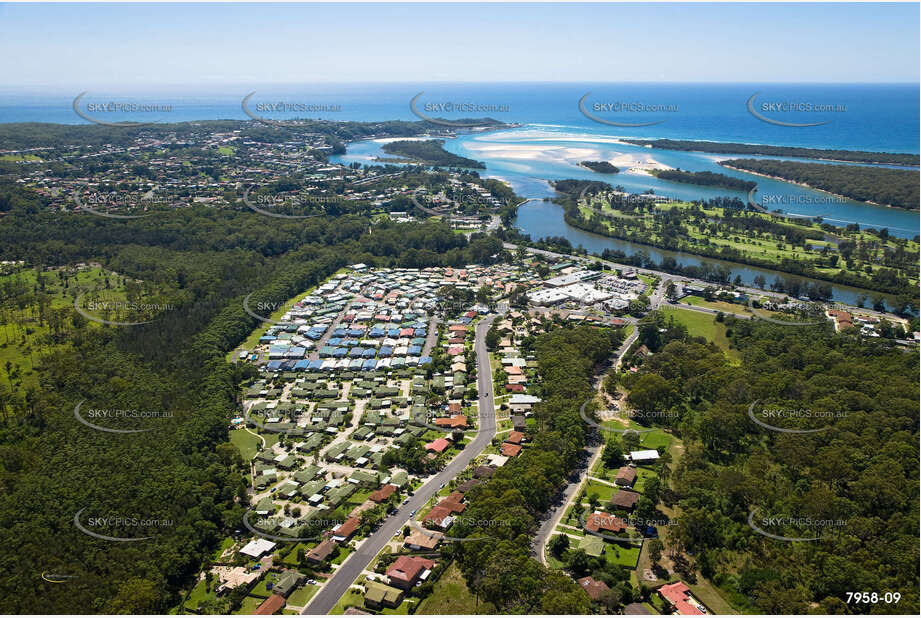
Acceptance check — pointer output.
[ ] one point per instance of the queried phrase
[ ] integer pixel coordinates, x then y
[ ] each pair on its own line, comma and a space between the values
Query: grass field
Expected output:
621, 555
704, 325
451, 596
302, 595
352, 598
249, 606
246, 443
701, 240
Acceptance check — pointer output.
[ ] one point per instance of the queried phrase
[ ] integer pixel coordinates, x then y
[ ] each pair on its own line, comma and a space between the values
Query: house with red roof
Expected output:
603, 522
272, 605
345, 530
383, 493
682, 602
515, 437
593, 588
407, 570
458, 421
438, 446
510, 450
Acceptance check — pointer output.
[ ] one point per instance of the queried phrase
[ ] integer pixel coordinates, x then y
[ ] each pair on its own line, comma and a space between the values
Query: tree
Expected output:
655, 550
577, 562
613, 454
559, 544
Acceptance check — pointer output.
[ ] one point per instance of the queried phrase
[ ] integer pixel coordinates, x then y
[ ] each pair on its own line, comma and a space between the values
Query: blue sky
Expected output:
74, 45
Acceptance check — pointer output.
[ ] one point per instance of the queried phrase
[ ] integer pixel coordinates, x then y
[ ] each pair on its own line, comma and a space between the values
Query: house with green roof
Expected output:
378, 595
399, 478
336, 451
288, 583
307, 474
312, 488
592, 545
364, 477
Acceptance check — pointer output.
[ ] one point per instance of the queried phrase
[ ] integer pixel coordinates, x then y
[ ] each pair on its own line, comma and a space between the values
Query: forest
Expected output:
602, 167
184, 474
857, 475
889, 187
853, 156
431, 152
710, 179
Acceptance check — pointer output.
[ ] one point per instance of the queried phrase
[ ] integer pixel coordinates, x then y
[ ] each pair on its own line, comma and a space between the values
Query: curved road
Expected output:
348, 571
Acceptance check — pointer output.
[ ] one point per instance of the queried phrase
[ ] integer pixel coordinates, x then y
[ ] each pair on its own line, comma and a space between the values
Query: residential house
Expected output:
407, 570
593, 588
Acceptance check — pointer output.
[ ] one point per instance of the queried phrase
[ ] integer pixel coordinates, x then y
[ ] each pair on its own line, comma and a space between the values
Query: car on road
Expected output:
412, 512
405, 500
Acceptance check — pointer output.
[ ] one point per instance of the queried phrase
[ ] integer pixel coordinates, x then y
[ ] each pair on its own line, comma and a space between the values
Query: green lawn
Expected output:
246, 443
352, 598
249, 605
604, 491
302, 595
704, 325
199, 594
225, 544
451, 596
622, 555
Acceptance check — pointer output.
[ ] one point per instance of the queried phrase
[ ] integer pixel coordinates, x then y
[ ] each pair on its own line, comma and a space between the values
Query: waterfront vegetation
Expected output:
722, 228
709, 179
602, 167
877, 185
430, 152
854, 156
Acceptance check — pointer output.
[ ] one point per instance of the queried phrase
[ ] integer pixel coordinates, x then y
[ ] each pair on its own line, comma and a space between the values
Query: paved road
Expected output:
554, 516
339, 583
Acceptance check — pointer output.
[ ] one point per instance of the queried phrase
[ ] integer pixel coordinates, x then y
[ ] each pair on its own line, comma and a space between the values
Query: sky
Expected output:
50, 47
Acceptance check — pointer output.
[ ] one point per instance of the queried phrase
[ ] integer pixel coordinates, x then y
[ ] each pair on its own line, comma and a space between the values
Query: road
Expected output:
348, 571
554, 516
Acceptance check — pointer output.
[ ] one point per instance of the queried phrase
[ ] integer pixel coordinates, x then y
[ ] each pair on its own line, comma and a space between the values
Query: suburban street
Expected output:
548, 525
348, 571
